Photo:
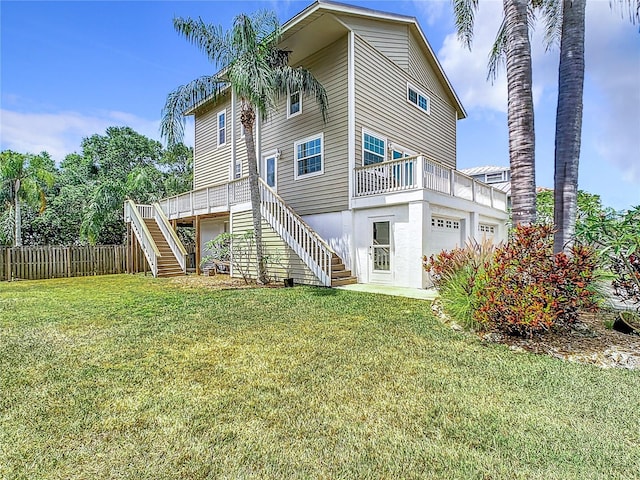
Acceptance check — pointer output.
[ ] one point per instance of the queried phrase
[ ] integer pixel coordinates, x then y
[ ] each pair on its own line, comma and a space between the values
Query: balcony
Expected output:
417, 173
207, 200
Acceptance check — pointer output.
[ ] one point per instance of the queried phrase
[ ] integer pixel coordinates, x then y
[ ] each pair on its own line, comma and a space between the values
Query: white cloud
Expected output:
432, 10
468, 69
61, 133
611, 124
613, 76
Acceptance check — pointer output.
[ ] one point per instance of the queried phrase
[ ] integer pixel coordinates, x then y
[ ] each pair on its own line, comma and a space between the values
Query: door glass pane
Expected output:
271, 172
381, 233
381, 246
381, 258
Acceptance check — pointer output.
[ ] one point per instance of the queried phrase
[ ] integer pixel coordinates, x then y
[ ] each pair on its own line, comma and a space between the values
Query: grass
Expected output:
133, 377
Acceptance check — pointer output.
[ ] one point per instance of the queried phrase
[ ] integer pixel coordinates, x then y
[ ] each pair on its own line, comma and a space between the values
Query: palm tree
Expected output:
512, 41
23, 178
569, 113
257, 70
568, 122
520, 111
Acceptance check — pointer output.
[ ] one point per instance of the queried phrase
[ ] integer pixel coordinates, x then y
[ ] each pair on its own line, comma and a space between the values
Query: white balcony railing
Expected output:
418, 172
216, 198
301, 238
170, 236
136, 214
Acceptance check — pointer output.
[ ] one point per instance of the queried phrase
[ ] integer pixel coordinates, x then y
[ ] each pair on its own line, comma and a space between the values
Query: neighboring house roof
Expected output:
325, 31
483, 170
488, 170
503, 186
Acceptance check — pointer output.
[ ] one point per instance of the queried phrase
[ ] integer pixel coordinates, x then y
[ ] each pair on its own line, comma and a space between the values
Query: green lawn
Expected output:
135, 377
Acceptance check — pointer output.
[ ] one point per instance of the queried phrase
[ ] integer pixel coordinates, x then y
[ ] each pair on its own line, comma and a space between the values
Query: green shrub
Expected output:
459, 275
527, 289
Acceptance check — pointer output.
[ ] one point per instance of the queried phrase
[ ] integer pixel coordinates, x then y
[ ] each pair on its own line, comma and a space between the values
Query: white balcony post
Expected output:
420, 172
473, 190
452, 180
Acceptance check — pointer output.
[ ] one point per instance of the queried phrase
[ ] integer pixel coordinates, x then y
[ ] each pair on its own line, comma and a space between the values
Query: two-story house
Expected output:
364, 195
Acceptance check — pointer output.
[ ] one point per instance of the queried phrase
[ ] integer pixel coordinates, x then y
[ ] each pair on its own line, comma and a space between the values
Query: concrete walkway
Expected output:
418, 293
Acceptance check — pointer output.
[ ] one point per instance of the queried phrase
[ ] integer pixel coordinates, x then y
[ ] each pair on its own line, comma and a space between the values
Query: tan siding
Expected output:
422, 69
389, 38
328, 192
289, 263
381, 106
241, 146
211, 163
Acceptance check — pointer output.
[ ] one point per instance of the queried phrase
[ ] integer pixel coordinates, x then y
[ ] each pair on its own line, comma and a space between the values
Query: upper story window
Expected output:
418, 98
237, 170
494, 177
294, 104
373, 148
308, 154
222, 128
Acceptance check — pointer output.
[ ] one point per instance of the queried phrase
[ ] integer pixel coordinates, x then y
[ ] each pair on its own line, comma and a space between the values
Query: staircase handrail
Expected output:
321, 267
149, 247
170, 236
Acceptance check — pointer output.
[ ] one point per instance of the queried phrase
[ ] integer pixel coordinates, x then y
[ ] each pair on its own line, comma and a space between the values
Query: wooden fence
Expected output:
35, 263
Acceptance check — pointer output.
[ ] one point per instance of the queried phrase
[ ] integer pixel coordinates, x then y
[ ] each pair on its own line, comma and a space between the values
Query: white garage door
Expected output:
446, 234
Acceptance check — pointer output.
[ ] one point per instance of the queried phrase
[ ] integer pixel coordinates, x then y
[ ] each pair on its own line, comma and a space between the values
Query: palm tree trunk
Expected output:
568, 123
17, 239
247, 118
520, 112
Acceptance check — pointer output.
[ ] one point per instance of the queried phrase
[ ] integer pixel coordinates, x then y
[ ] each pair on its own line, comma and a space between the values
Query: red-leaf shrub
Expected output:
527, 289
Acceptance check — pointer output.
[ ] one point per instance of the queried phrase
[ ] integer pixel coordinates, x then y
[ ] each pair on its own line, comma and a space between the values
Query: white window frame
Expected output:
419, 93
263, 168
296, 159
398, 148
218, 129
493, 177
366, 131
237, 170
289, 114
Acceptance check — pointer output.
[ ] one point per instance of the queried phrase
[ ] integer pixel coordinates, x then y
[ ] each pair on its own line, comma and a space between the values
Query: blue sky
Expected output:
71, 69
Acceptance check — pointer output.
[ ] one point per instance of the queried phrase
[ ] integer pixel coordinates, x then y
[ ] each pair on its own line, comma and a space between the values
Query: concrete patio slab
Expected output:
418, 293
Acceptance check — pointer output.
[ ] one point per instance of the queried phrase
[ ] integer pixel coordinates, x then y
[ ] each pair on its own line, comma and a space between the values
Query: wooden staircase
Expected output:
339, 274
168, 265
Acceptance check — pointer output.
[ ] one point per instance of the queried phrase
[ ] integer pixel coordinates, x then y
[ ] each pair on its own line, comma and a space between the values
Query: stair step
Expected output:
336, 267
340, 274
344, 281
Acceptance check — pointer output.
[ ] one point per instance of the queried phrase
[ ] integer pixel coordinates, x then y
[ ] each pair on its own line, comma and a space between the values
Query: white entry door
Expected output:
270, 170
381, 250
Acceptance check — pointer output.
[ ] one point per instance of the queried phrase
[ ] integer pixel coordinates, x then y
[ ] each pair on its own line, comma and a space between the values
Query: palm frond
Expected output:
497, 55
551, 11
212, 40
252, 77
632, 8
464, 15
183, 98
289, 79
